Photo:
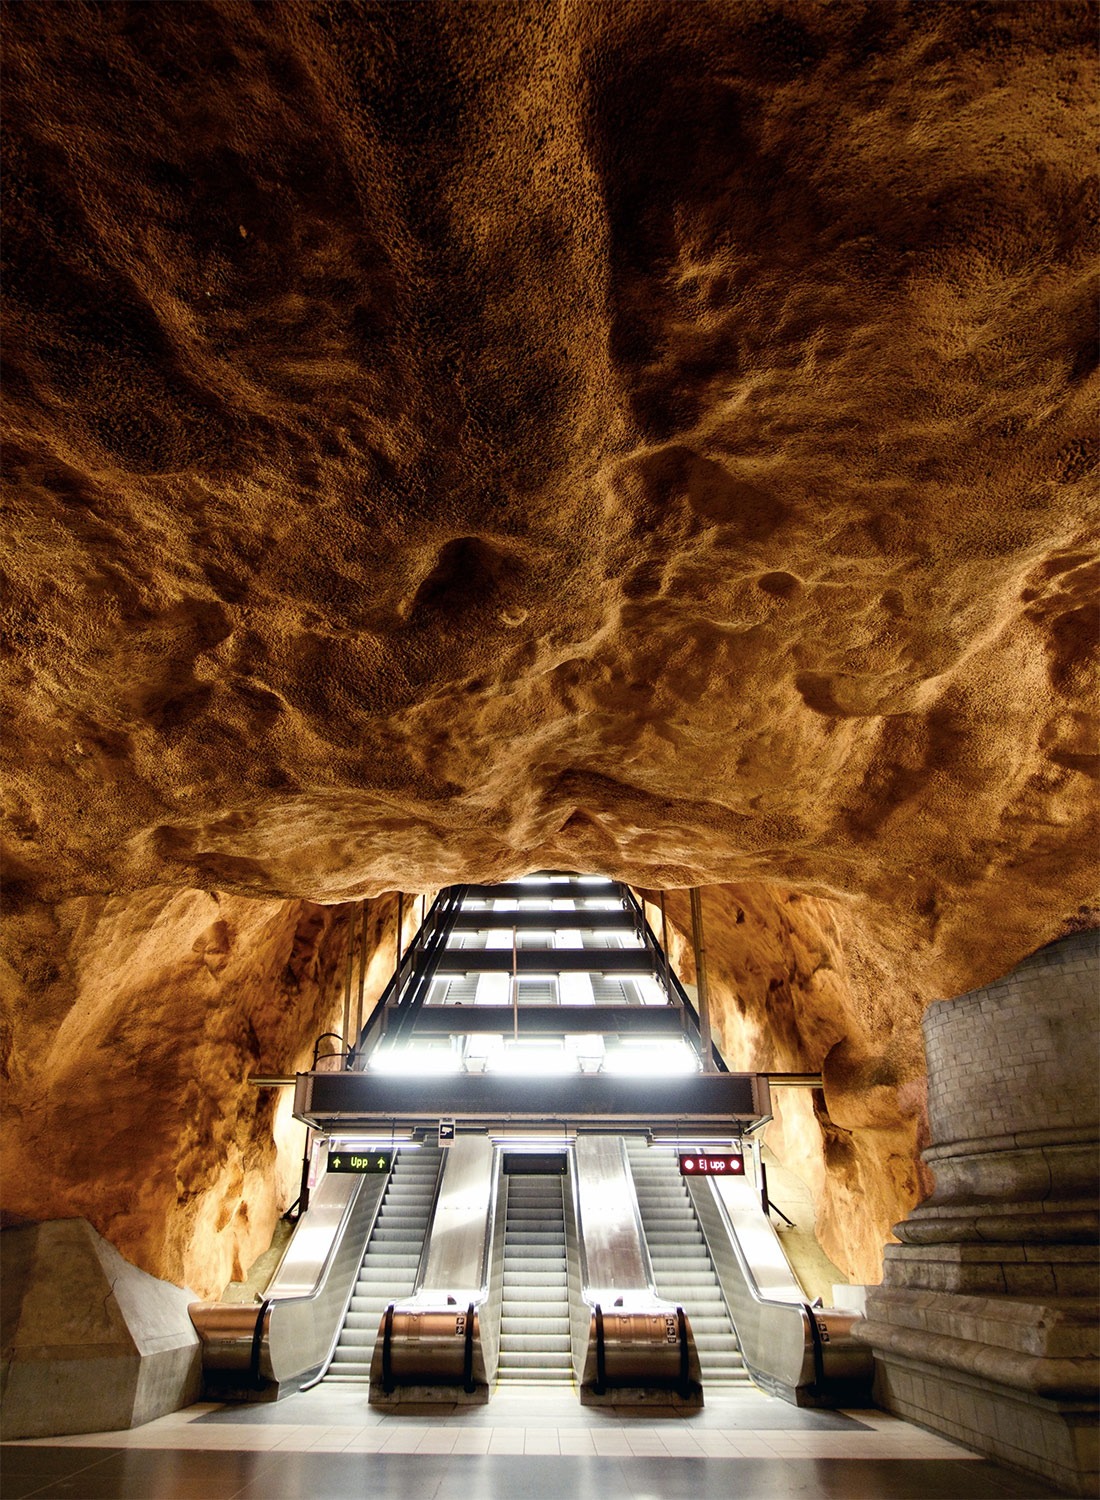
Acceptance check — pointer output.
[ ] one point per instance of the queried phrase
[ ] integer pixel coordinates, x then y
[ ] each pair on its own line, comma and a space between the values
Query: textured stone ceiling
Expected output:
451, 440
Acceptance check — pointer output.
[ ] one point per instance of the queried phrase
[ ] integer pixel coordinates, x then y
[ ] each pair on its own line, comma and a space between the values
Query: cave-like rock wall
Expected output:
447, 441
127, 1066
797, 987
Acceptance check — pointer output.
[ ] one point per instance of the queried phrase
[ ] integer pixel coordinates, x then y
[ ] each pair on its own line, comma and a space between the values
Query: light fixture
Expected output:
415, 1061
589, 1051
642, 1058
402, 1139
529, 1142
695, 1142
532, 1059
480, 1047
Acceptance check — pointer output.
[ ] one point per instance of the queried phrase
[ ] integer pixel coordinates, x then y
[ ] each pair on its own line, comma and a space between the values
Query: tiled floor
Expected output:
528, 1443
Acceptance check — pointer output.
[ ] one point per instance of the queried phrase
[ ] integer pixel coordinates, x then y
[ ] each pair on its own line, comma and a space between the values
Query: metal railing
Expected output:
800, 1353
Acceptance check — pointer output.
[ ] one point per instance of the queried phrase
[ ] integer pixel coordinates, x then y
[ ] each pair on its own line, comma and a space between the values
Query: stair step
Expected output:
682, 1267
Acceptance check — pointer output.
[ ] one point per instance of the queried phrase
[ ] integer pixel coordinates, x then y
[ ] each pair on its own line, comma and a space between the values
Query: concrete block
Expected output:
90, 1343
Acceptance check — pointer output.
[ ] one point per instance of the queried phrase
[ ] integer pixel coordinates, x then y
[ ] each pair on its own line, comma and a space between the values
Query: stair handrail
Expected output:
666, 974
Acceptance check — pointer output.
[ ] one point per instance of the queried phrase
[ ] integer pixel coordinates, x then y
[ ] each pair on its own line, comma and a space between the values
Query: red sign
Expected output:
712, 1164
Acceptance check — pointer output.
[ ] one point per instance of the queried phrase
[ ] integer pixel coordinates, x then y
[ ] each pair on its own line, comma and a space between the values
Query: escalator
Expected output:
389, 1266
682, 1268
520, 1006
534, 1329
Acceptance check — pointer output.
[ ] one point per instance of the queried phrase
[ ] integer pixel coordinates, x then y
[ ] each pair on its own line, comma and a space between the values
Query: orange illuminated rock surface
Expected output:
445, 442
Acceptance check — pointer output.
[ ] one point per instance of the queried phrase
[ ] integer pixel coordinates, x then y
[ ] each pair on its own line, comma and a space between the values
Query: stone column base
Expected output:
987, 1327
1054, 1439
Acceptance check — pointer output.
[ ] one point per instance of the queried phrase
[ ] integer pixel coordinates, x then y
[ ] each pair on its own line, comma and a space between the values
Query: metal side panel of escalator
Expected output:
439, 1339
629, 1343
284, 1344
804, 1354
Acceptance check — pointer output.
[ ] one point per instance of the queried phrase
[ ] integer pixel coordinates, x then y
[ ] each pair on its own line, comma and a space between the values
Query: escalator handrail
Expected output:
258, 1334
422, 1263
401, 974
582, 1254
338, 1323
468, 1354
273, 1297
387, 1351
653, 944
809, 1322
489, 1231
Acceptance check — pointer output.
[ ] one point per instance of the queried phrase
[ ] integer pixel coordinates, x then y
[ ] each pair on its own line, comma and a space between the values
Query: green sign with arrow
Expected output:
358, 1161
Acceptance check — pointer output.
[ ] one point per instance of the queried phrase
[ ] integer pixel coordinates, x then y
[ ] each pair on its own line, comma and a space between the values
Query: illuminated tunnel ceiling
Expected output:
656, 439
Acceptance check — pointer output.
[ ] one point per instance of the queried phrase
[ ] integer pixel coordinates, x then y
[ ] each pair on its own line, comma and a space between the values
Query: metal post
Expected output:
362, 971
668, 961
347, 983
303, 1189
515, 989
397, 966
699, 941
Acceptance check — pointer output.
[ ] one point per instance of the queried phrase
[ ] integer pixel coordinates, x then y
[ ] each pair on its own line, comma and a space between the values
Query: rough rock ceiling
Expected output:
449, 440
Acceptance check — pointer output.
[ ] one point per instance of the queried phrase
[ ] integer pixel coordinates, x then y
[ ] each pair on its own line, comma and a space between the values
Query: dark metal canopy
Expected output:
484, 918
352, 1101
544, 961
550, 1020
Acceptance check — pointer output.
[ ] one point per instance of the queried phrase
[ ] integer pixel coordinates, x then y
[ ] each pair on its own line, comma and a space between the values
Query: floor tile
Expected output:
332, 1445
538, 1440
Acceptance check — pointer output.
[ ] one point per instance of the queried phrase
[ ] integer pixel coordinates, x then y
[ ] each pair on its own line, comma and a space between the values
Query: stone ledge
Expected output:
1050, 1329
1053, 1379
1000, 1224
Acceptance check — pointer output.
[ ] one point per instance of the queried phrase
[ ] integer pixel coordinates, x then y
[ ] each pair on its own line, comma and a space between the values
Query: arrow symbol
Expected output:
381, 1162
336, 1163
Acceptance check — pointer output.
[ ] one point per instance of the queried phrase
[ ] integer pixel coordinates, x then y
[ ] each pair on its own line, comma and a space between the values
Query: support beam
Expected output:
699, 940
546, 961
548, 1020
352, 1101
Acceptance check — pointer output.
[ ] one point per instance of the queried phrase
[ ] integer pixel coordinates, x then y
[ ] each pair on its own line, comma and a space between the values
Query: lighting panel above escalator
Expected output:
586, 1053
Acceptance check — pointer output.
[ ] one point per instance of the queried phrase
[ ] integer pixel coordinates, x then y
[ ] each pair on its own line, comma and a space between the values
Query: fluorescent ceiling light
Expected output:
529, 1059
415, 1061
647, 1058
374, 1143
530, 1142
696, 1142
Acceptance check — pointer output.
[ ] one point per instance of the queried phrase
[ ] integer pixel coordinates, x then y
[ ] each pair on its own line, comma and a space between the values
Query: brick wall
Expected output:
1020, 1054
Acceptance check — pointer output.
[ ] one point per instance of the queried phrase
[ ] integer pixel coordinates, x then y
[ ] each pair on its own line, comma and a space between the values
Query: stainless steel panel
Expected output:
446, 1337
302, 1330
775, 1336
610, 1228
634, 1341
456, 1249
767, 1261
793, 1350
314, 1235
305, 1302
